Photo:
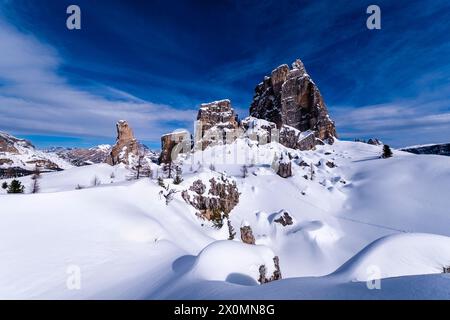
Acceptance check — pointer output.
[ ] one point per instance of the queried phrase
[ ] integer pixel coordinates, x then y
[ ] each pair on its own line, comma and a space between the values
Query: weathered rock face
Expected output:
290, 97
11, 144
126, 145
222, 197
247, 234
214, 120
285, 219
284, 169
174, 143
295, 139
260, 130
276, 273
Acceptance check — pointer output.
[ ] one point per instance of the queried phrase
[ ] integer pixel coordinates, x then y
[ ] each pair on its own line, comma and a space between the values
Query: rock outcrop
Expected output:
214, 121
173, 144
247, 234
126, 146
290, 97
284, 166
217, 203
276, 273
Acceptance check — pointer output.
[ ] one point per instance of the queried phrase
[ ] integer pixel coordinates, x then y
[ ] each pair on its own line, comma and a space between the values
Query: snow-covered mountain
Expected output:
19, 156
271, 208
442, 149
359, 216
82, 156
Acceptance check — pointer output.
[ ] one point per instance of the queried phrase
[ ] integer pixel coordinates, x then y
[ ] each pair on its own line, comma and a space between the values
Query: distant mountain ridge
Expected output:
442, 149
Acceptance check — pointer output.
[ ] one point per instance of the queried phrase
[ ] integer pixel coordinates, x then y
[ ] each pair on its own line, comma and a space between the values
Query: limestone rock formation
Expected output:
174, 143
295, 139
276, 273
260, 130
214, 121
290, 97
285, 219
126, 146
285, 169
222, 197
247, 234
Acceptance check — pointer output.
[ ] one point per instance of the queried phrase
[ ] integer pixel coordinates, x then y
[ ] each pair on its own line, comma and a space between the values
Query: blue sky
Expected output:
153, 62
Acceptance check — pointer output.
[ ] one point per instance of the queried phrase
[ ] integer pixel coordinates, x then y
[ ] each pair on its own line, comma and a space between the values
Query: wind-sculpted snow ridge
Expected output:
344, 209
398, 255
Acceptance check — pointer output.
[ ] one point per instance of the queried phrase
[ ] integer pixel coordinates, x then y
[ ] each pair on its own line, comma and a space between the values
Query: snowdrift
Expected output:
398, 255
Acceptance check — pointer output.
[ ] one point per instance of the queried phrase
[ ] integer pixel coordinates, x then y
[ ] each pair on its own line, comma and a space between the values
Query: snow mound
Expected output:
398, 255
233, 261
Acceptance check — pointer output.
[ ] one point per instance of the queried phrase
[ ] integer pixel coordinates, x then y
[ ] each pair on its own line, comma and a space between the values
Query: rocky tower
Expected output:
213, 120
290, 97
126, 145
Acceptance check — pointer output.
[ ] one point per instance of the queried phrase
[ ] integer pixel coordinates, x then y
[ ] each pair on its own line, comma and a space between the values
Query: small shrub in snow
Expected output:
244, 171
16, 187
168, 194
212, 167
160, 182
36, 173
178, 175
387, 152
79, 187
35, 188
311, 172
95, 181
4, 185
231, 232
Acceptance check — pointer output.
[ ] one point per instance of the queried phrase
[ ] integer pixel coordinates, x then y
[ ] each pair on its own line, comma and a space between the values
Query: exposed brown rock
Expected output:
295, 139
276, 274
284, 220
126, 145
284, 169
174, 143
247, 234
290, 97
222, 197
214, 121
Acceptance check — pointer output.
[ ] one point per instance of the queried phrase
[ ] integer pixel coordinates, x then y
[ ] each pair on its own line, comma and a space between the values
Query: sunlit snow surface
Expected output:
367, 216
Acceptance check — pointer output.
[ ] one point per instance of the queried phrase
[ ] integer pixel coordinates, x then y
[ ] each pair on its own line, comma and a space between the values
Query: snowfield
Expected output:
365, 218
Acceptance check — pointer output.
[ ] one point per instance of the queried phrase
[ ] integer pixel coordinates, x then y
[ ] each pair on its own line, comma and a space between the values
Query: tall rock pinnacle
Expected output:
126, 145
290, 97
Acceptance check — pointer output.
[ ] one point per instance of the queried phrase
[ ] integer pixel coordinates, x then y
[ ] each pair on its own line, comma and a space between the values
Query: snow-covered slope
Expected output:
358, 211
22, 155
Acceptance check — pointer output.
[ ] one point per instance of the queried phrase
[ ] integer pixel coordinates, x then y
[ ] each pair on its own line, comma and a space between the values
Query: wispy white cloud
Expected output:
35, 98
411, 122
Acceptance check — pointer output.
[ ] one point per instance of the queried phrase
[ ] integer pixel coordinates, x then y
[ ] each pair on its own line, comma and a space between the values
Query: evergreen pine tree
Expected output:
178, 175
16, 187
387, 152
